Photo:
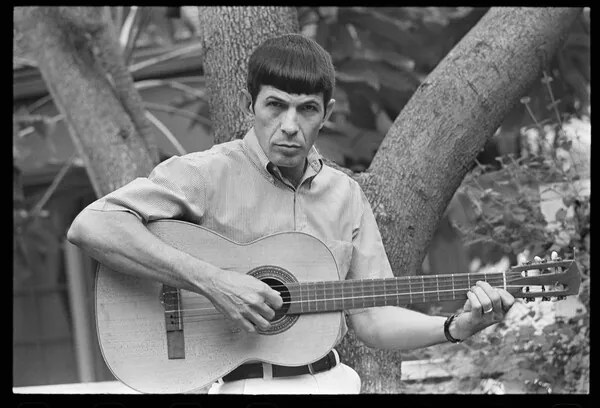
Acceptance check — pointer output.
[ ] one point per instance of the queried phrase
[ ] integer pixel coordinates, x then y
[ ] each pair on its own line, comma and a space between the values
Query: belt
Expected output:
255, 370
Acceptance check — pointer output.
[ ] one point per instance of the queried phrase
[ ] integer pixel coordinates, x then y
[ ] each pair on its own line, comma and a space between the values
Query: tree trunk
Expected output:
80, 63
230, 34
433, 142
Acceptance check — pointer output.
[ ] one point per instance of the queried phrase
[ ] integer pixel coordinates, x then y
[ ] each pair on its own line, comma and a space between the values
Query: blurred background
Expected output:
528, 191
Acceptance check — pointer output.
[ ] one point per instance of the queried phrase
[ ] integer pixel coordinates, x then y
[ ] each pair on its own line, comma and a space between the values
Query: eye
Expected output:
310, 108
275, 104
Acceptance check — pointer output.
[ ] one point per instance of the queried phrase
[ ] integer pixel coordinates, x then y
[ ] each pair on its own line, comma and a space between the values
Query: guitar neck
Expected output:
312, 297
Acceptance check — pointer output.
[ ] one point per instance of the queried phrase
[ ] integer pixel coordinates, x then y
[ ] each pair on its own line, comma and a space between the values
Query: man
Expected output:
273, 180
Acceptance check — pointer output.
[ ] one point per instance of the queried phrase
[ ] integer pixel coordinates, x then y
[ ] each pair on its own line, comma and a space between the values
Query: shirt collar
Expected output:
258, 156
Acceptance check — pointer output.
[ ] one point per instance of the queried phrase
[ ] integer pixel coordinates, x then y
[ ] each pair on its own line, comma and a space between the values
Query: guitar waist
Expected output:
255, 370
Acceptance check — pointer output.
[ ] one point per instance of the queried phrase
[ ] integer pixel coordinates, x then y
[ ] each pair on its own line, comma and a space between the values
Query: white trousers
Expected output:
341, 379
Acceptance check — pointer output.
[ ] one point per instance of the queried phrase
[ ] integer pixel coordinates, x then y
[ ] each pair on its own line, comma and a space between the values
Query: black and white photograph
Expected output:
275, 200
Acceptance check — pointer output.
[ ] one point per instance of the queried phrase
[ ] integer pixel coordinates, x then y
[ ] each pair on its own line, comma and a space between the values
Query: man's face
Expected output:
287, 126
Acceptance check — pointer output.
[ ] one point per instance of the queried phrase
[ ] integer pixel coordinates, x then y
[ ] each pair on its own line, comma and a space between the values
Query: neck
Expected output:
310, 297
293, 174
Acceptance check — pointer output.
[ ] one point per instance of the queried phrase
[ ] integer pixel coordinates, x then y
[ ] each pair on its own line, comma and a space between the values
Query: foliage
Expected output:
505, 203
507, 211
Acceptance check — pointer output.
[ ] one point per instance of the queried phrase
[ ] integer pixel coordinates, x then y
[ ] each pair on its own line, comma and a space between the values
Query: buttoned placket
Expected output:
306, 178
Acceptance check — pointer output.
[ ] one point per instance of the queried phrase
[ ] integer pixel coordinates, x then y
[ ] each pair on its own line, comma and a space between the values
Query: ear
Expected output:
245, 103
328, 110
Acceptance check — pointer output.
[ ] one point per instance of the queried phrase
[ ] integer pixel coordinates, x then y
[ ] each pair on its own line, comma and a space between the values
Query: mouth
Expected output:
288, 146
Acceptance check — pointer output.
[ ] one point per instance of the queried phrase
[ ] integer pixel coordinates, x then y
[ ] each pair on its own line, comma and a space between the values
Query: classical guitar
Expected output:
158, 339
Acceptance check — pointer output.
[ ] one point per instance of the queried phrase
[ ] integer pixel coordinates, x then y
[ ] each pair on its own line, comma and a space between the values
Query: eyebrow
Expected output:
312, 100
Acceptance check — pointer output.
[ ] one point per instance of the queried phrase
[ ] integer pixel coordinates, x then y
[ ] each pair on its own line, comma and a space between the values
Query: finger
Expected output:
264, 310
554, 256
507, 299
257, 320
243, 323
467, 307
483, 299
492, 294
475, 305
273, 299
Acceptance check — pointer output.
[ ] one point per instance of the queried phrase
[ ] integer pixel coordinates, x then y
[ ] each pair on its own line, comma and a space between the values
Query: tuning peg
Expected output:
545, 298
560, 298
528, 299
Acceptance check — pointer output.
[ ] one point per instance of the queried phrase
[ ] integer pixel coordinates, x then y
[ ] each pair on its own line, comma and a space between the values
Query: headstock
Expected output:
558, 278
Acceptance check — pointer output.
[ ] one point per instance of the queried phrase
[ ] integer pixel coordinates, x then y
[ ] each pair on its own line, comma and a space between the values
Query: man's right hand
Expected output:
242, 298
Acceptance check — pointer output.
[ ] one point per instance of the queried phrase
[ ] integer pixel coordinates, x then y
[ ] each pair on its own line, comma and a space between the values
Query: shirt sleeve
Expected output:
369, 259
175, 189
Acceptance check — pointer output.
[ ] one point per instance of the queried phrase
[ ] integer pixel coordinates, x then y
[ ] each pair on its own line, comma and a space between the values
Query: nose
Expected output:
289, 122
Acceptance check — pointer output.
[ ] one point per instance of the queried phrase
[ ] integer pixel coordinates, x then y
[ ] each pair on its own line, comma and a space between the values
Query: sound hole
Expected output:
285, 295
277, 277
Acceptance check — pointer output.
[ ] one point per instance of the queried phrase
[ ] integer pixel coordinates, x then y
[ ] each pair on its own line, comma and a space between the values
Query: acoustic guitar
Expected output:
159, 339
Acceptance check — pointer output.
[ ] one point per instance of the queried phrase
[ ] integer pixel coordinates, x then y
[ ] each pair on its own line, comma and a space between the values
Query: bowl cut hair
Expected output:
292, 63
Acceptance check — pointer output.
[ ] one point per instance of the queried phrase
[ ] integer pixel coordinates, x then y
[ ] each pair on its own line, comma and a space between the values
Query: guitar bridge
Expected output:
171, 300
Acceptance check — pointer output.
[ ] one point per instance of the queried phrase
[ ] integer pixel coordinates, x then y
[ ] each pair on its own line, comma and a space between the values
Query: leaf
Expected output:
345, 45
392, 58
561, 215
358, 74
499, 230
322, 36
379, 24
385, 75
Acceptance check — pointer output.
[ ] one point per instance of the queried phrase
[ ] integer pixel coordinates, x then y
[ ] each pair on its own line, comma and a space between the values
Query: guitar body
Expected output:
133, 323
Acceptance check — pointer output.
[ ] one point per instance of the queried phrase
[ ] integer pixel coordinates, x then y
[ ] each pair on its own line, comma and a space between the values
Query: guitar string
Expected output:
347, 298
418, 281
215, 315
378, 286
318, 289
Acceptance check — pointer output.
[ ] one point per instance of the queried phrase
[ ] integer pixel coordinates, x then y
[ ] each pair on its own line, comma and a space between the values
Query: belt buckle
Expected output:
311, 369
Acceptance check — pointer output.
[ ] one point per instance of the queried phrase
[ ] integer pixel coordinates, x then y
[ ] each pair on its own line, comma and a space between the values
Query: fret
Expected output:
352, 294
362, 294
308, 297
453, 290
372, 282
469, 280
385, 299
318, 297
397, 293
410, 289
437, 285
371, 292
504, 278
334, 297
423, 284
301, 287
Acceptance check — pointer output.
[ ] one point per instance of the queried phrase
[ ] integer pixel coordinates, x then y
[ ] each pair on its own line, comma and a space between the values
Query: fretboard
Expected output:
314, 297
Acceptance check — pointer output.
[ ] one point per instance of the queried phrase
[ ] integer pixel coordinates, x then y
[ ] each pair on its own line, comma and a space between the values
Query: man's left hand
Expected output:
486, 306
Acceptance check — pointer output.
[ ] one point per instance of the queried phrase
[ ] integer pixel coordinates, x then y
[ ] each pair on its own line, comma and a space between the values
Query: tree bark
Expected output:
230, 34
79, 61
